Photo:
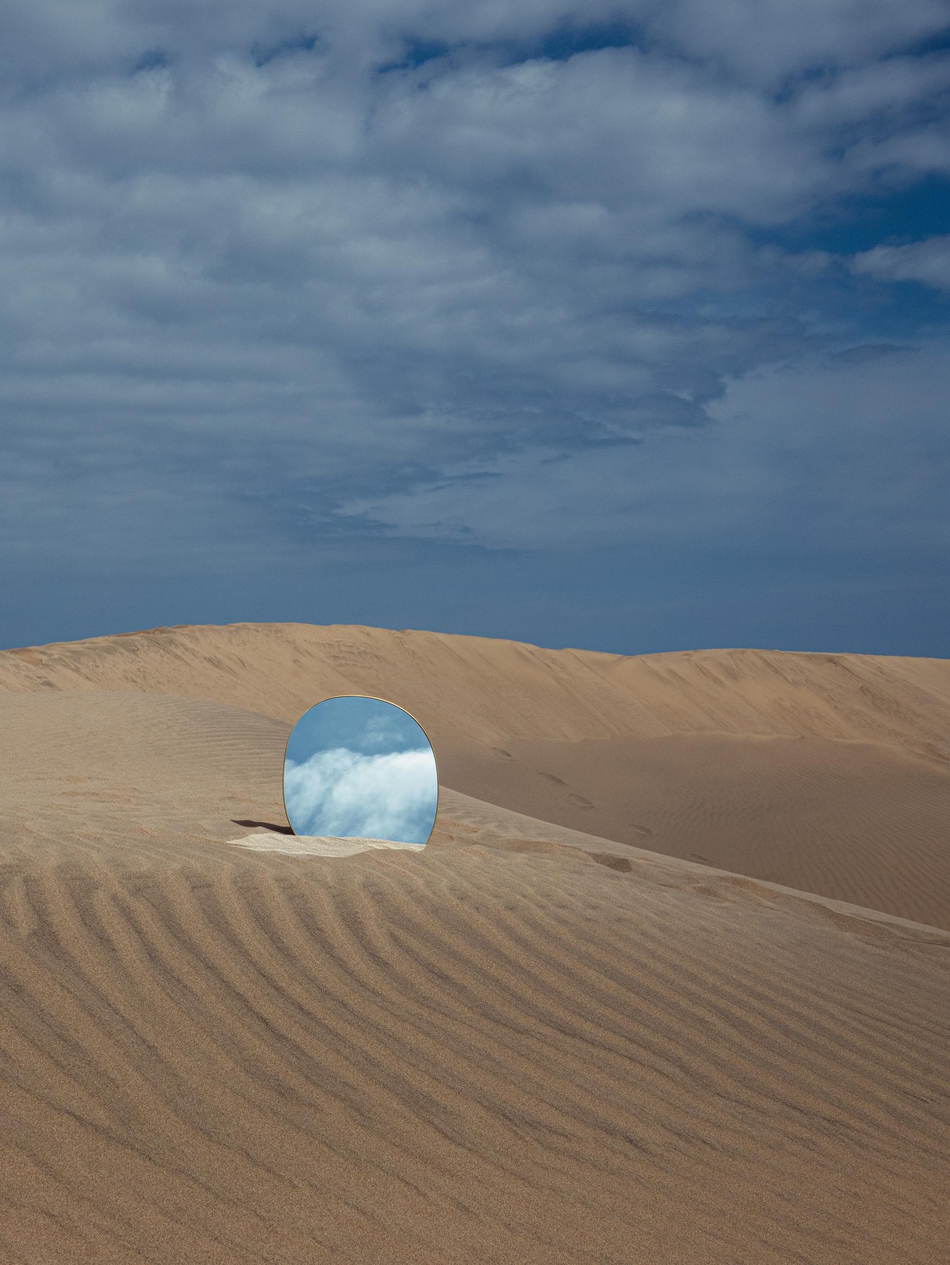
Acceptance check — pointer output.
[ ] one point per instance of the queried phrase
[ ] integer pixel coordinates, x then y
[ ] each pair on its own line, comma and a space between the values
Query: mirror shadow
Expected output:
266, 825
361, 768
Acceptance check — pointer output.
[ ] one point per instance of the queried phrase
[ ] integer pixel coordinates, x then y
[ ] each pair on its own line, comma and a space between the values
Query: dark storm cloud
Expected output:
271, 277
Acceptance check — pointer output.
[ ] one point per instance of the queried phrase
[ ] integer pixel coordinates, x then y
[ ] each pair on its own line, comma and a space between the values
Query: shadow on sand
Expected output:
267, 825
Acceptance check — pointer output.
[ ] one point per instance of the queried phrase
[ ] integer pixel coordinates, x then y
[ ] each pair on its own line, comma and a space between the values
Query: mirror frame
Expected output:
376, 699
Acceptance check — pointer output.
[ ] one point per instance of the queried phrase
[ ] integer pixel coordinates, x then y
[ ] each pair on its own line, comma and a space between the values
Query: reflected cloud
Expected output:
346, 794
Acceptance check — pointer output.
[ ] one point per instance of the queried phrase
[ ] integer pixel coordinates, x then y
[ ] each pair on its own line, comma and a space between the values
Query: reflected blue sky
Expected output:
367, 725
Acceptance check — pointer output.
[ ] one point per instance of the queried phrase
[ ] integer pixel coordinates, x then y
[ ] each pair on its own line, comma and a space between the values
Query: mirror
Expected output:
361, 768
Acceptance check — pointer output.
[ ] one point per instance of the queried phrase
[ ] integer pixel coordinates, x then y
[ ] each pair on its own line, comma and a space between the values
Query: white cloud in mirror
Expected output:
344, 793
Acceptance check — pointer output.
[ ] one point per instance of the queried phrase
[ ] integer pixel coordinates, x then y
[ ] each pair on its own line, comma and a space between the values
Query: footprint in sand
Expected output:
551, 778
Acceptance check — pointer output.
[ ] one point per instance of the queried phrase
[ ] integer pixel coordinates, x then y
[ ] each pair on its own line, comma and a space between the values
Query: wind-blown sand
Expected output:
525, 1043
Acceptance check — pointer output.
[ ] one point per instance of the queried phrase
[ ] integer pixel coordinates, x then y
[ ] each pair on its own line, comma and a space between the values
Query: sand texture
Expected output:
524, 1043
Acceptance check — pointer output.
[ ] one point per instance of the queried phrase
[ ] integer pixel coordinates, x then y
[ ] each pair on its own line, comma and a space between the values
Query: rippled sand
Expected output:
524, 1043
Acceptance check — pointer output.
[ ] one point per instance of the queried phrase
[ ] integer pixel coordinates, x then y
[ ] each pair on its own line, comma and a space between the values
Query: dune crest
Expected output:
485, 690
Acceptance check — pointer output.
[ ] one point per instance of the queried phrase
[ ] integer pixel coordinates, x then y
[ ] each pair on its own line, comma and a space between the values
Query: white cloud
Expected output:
927, 261
768, 40
344, 794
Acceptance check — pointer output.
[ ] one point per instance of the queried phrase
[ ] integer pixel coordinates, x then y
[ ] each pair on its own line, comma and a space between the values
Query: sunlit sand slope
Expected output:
824, 772
499, 1049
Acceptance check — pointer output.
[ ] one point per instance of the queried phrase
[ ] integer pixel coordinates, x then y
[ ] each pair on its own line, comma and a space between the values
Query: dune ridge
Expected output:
483, 689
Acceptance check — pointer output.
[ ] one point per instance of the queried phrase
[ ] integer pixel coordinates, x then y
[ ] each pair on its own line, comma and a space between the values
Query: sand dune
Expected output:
524, 1043
485, 690
829, 773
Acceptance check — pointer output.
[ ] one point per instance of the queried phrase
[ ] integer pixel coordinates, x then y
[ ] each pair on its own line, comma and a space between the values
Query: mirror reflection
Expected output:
360, 768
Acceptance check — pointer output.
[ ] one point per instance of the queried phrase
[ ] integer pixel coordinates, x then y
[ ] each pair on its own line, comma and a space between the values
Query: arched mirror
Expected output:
361, 768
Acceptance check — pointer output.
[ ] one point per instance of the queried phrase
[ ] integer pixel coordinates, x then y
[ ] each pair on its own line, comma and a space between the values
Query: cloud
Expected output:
845, 454
345, 794
927, 262
771, 43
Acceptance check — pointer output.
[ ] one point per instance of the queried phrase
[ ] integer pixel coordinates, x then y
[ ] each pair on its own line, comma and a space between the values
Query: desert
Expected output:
474, 608
669, 983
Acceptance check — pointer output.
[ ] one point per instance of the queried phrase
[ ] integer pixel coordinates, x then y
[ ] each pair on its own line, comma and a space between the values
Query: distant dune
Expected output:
535, 1042
482, 690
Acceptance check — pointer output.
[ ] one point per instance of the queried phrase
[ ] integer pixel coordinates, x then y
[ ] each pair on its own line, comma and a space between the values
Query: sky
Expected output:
360, 767
620, 326
368, 726
344, 795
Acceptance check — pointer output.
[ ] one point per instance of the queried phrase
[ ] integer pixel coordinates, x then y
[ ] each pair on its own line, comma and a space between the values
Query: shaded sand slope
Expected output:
829, 773
862, 822
499, 1049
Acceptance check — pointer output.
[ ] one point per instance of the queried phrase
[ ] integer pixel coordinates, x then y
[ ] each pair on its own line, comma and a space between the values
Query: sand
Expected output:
863, 822
315, 845
829, 773
524, 1043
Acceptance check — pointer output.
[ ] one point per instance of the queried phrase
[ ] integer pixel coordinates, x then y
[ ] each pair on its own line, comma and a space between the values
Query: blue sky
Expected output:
618, 326
367, 726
